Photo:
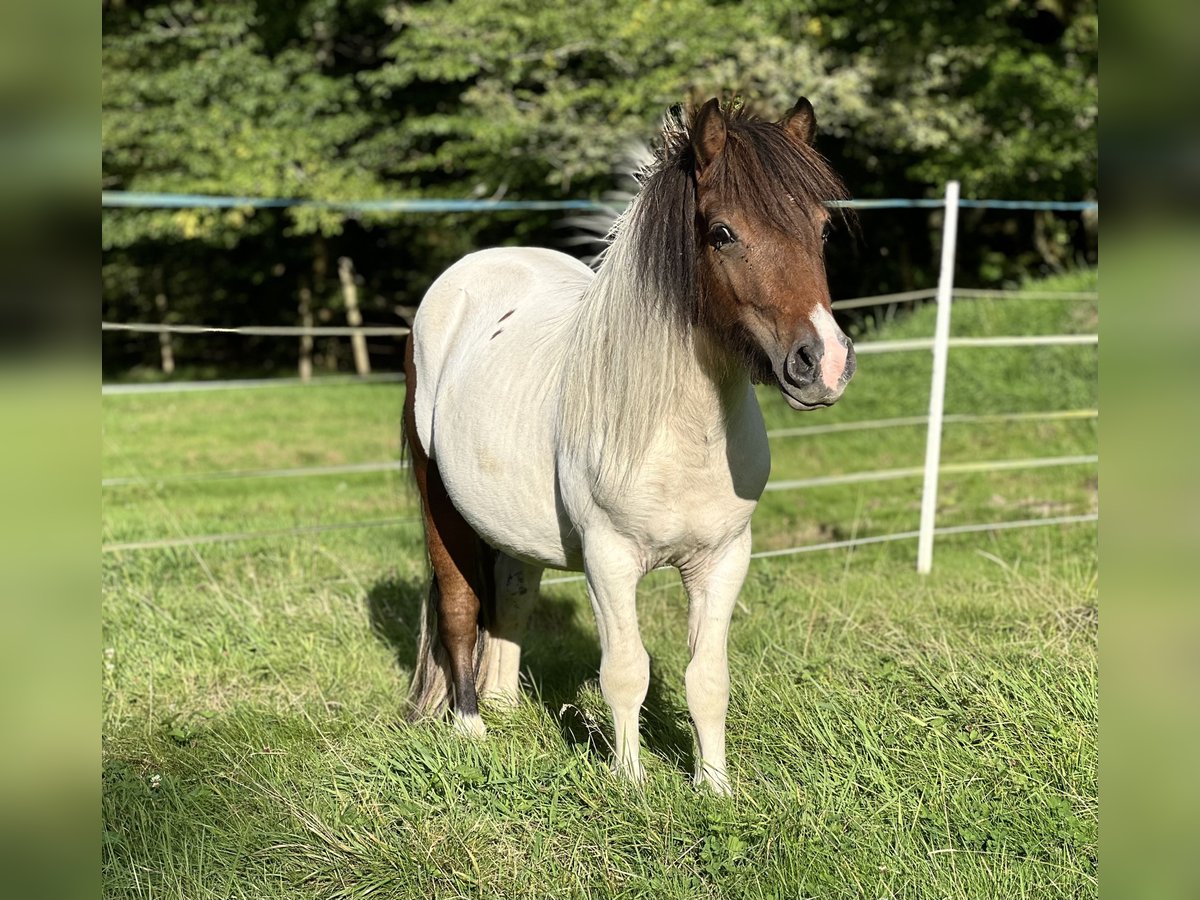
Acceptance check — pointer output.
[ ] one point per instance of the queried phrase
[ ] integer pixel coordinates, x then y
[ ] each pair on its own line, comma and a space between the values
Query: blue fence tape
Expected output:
113, 199
142, 200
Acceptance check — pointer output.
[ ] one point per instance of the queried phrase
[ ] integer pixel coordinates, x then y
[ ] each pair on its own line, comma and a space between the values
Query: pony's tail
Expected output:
429, 694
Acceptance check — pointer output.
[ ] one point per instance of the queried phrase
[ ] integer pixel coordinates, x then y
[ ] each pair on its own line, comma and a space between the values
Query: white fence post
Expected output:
937, 390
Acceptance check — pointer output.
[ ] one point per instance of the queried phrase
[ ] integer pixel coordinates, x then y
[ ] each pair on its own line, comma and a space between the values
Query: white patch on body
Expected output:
833, 361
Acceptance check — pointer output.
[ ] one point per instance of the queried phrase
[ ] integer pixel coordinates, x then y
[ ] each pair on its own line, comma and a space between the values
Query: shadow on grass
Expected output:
558, 658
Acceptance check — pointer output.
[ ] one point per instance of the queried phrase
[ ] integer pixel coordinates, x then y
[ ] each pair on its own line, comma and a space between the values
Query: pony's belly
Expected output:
513, 509
494, 446
504, 488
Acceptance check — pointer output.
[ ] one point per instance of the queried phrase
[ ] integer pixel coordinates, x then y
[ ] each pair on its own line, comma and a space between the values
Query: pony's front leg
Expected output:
712, 584
612, 575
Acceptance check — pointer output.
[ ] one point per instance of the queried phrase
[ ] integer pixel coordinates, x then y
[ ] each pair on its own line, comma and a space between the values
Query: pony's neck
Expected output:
723, 373
636, 365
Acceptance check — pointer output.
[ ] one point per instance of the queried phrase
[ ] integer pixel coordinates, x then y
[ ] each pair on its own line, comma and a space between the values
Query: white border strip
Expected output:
1026, 340
884, 299
1003, 294
872, 424
997, 465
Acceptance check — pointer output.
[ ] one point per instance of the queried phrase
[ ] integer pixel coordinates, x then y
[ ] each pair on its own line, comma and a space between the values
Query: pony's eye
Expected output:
825, 229
720, 236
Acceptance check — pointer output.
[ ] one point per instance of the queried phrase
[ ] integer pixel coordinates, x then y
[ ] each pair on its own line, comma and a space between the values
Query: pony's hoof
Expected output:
505, 700
715, 780
470, 725
631, 772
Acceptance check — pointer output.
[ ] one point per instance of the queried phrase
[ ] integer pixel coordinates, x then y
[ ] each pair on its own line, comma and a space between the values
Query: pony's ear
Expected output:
708, 134
801, 121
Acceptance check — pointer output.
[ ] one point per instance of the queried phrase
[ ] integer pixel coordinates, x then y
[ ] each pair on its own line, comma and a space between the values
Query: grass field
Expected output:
890, 735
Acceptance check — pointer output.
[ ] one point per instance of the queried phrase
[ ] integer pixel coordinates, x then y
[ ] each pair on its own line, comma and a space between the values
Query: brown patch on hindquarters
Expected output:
497, 332
505, 316
459, 560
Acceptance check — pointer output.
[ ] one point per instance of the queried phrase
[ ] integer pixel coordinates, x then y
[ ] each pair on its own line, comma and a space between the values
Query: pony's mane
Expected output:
635, 330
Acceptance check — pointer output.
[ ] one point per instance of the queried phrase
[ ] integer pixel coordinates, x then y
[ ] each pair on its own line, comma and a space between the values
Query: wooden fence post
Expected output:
165, 347
306, 340
358, 342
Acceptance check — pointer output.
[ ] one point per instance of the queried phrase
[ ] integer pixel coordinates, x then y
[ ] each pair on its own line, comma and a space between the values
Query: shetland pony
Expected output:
605, 421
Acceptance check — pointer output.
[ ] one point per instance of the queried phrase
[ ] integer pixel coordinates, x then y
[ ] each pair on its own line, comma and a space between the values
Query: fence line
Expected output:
964, 294
874, 424
299, 531
936, 203
184, 387
235, 474
881, 299
941, 343
1007, 340
231, 537
1027, 340
1003, 293
396, 465
778, 485
400, 330
888, 538
995, 465
867, 347
151, 200
261, 330
942, 530
156, 200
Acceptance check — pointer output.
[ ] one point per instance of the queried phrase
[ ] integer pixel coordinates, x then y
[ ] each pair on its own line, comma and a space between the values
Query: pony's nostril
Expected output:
851, 362
801, 368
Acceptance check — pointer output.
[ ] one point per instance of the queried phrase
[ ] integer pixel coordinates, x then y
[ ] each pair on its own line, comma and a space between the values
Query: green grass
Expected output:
890, 735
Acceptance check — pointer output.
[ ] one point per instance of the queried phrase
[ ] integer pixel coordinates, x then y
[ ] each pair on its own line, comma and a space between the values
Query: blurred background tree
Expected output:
366, 99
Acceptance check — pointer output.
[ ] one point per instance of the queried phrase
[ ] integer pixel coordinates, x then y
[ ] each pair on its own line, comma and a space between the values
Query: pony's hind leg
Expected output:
461, 565
458, 557
712, 585
516, 593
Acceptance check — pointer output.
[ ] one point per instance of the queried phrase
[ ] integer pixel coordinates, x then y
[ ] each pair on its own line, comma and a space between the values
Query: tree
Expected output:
364, 99
500, 97
193, 103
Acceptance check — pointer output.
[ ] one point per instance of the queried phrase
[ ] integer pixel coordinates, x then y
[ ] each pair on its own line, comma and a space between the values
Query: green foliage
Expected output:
1000, 94
514, 98
335, 101
194, 104
486, 95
